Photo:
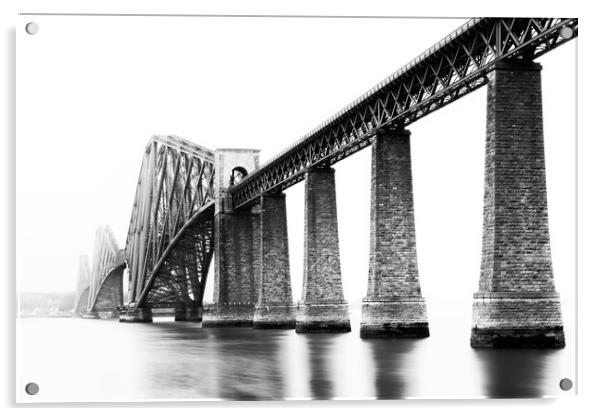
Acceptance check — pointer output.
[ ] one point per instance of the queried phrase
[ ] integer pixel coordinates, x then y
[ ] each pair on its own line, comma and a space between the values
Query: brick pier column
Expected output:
275, 308
322, 307
394, 306
236, 277
517, 304
236, 272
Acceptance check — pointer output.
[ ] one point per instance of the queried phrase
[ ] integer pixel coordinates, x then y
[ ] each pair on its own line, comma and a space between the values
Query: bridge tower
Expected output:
517, 304
237, 245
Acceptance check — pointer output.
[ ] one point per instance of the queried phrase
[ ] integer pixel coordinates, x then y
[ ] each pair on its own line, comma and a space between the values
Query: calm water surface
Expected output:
104, 360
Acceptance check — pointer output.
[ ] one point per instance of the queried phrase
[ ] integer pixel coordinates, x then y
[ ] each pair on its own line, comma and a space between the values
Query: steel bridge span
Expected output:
191, 202
100, 285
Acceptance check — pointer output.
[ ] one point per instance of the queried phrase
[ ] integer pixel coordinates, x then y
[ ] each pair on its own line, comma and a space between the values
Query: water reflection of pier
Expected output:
514, 373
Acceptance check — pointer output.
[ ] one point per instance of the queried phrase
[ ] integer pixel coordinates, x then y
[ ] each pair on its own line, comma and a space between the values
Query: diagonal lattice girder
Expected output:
454, 67
82, 289
109, 295
105, 256
170, 238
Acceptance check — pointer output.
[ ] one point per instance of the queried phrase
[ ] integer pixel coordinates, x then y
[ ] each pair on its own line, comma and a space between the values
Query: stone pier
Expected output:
91, 315
237, 264
394, 306
323, 307
139, 315
236, 270
517, 304
114, 314
275, 308
188, 314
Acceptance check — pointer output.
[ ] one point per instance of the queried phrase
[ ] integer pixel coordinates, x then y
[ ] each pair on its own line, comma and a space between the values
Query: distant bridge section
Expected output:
82, 291
103, 260
100, 286
170, 238
452, 68
109, 295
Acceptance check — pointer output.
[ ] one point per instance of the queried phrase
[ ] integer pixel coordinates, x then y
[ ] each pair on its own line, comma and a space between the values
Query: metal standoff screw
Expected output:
566, 32
566, 384
32, 388
32, 28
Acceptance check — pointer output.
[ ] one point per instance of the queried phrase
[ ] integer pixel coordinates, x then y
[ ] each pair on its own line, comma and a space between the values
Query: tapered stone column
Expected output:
322, 307
236, 270
517, 304
275, 308
393, 306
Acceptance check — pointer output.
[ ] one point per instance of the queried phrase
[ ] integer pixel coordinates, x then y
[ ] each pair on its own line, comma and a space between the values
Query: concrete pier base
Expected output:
405, 318
188, 314
91, 315
141, 315
274, 317
109, 314
517, 320
323, 317
238, 315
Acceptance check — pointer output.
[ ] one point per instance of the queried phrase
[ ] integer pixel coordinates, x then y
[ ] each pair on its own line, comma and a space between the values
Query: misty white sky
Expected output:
91, 91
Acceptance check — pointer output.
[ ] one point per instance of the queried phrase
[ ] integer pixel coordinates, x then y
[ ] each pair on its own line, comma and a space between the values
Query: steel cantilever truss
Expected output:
105, 258
109, 295
454, 67
83, 285
170, 238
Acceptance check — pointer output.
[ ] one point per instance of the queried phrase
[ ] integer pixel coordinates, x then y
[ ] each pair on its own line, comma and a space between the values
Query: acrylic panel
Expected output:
280, 207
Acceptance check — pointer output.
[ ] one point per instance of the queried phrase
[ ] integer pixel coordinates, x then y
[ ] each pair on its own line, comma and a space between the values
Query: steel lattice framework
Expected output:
170, 238
105, 257
83, 285
109, 296
454, 67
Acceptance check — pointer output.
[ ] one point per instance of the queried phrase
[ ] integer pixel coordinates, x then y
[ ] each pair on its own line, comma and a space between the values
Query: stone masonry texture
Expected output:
236, 284
323, 306
275, 308
393, 306
237, 264
517, 304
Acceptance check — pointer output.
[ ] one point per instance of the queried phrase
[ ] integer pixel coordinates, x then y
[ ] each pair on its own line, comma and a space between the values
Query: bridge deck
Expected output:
450, 69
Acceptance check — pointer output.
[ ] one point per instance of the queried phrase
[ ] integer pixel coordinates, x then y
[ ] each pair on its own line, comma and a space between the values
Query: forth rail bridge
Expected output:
192, 203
